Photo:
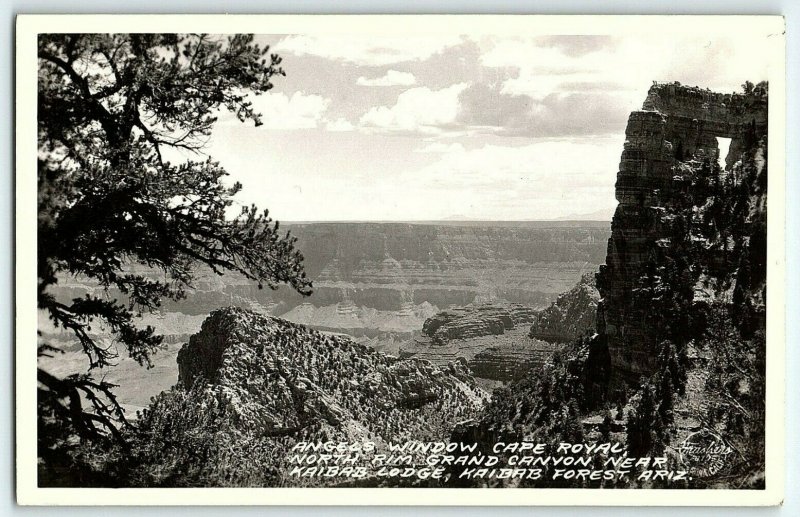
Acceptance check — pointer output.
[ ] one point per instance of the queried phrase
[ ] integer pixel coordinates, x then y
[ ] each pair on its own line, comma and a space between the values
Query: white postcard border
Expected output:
28, 26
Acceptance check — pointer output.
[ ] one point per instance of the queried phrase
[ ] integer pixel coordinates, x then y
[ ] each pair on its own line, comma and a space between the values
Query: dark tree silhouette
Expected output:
110, 106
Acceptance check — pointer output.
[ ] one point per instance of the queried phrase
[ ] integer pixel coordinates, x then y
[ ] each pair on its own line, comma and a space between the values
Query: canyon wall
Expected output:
377, 282
491, 339
381, 281
572, 315
389, 266
671, 141
681, 321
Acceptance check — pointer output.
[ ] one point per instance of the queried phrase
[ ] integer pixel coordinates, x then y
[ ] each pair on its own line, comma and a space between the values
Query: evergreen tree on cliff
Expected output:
111, 109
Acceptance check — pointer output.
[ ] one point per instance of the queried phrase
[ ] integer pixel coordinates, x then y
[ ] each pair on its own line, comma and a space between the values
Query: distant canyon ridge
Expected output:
388, 278
380, 282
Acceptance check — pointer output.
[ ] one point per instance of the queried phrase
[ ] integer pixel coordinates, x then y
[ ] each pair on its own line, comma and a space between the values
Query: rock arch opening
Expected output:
724, 146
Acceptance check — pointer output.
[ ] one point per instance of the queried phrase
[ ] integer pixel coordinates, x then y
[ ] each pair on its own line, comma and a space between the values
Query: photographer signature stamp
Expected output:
705, 454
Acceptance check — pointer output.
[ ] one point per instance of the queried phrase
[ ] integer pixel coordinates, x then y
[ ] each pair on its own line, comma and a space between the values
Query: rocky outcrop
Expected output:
475, 321
511, 361
498, 357
491, 339
668, 175
235, 344
266, 384
681, 319
572, 314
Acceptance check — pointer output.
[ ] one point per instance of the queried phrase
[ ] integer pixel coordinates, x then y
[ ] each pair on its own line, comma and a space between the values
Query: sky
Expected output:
458, 127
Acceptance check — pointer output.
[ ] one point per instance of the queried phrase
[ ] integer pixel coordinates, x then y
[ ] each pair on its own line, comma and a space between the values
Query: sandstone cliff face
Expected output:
681, 319
379, 282
572, 314
264, 384
667, 176
373, 278
474, 321
491, 339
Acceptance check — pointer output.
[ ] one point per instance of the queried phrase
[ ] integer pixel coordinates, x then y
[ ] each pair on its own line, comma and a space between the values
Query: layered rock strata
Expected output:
498, 357
395, 267
572, 314
491, 339
510, 361
674, 136
377, 282
251, 387
475, 321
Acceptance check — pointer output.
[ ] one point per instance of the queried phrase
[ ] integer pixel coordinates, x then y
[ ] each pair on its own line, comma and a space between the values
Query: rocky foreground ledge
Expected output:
305, 374
251, 386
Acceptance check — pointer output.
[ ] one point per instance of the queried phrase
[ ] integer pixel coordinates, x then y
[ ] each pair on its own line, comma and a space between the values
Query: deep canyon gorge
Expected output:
379, 283
642, 331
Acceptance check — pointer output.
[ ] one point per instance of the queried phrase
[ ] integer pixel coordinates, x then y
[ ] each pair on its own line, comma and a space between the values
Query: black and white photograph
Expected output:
437, 257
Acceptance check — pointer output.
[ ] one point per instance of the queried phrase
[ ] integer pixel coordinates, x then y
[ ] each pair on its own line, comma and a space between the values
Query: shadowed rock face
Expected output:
475, 321
266, 384
572, 314
683, 289
674, 133
491, 339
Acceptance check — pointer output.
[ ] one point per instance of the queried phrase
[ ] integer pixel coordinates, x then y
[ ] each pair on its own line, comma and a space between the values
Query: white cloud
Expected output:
626, 64
300, 111
367, 50
542, 180
439, 147
392, 78
544, 164
339, 125
417, 110
545, 70
572, 163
